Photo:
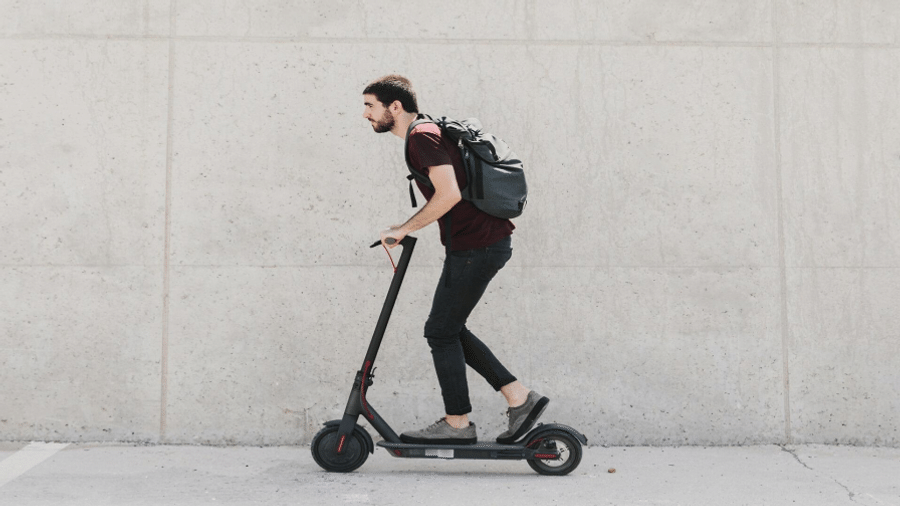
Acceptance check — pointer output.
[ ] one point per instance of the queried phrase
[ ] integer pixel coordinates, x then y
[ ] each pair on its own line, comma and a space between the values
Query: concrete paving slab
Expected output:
107, 474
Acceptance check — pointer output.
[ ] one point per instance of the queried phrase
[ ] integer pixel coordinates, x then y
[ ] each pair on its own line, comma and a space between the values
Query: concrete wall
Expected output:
710, 254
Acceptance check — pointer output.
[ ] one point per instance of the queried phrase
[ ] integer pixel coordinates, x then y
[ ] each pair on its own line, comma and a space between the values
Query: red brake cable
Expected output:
386, 250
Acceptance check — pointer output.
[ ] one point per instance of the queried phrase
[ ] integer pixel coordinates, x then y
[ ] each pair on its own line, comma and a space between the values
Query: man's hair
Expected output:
387, 89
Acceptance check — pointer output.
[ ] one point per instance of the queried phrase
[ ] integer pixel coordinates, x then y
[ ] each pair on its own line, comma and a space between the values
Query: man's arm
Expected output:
446, 195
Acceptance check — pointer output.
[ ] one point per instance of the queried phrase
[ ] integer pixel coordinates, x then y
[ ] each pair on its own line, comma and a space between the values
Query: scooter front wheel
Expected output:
568, 447
324, 450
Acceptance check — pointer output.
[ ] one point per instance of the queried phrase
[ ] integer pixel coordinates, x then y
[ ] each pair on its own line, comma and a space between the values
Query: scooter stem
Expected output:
357, 404
408, 243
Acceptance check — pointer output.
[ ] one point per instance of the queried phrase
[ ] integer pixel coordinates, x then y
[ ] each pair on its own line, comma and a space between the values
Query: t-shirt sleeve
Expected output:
427, 150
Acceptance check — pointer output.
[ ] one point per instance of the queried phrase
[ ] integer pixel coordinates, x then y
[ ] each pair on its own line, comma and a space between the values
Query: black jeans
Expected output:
452, 344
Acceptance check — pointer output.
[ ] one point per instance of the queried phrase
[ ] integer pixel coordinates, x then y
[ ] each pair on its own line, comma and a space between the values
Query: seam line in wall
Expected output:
512, 42
164, 355
782, 262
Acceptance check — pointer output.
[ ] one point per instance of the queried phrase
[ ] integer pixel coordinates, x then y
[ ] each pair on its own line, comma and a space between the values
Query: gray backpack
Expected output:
496, 177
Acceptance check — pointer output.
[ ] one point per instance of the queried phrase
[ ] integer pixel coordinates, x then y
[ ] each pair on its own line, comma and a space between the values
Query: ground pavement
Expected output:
118, 474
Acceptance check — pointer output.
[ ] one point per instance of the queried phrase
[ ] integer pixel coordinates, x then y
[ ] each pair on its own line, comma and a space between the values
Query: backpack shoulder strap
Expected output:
421, 118
414, 174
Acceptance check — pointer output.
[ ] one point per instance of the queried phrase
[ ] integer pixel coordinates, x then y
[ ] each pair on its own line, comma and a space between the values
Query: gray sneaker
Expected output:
522, 418
442, 433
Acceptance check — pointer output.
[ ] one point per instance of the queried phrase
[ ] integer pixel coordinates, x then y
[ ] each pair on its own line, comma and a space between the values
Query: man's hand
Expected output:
394, 232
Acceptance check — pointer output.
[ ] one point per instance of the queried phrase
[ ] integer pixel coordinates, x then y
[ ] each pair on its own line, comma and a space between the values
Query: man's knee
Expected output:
440, 337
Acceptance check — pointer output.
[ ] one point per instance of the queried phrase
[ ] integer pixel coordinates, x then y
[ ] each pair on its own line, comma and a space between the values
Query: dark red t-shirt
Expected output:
471, 227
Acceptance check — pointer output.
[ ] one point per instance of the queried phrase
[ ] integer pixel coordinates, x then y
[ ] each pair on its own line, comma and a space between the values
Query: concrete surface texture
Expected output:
710, 254
114, 474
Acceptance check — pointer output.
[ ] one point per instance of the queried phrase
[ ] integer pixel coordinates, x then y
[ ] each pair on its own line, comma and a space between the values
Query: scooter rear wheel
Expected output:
324, 450
567, 445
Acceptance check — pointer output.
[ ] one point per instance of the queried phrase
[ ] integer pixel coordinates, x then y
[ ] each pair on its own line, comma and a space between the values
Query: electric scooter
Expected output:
343, 446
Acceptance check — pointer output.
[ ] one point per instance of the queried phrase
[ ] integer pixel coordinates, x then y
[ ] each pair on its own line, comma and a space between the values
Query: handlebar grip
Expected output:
389, 240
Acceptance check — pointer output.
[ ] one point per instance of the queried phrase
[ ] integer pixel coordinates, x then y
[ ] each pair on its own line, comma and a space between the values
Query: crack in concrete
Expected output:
850, 493
796, 457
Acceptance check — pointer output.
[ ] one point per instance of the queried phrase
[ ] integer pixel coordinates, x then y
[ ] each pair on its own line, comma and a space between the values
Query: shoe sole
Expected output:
446, 441
532, 417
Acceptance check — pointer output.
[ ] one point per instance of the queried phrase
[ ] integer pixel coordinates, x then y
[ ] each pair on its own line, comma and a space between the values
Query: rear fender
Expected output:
550, 427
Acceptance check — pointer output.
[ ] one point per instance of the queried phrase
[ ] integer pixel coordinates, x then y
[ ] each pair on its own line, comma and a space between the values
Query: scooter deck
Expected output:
483, 450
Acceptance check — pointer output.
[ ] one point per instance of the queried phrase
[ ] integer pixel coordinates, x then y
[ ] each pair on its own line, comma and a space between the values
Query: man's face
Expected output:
380, 116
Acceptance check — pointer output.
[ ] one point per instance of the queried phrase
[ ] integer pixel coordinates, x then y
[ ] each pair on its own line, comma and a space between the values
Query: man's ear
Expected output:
396, 107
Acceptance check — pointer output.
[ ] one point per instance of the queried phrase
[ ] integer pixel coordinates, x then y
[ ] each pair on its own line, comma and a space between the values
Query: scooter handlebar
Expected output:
390, 241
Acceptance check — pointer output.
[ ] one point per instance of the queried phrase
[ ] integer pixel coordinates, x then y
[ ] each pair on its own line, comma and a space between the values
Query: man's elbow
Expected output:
449, 197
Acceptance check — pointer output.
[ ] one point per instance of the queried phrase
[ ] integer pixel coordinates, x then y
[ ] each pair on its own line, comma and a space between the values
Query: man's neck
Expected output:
402, 122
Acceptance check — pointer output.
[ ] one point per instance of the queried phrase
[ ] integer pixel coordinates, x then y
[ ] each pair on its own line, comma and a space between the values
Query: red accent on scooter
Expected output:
365, 404
341, 444
546, 456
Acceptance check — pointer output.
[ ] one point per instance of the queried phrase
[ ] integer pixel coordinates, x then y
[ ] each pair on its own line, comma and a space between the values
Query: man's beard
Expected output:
385, 124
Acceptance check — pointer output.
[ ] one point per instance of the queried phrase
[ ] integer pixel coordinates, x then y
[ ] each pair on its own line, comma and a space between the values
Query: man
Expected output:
480, 246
